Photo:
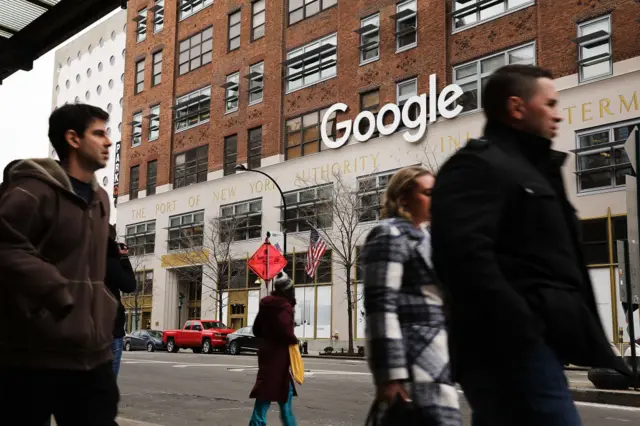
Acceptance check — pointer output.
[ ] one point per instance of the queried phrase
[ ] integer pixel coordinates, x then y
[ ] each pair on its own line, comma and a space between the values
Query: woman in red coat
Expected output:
274, 327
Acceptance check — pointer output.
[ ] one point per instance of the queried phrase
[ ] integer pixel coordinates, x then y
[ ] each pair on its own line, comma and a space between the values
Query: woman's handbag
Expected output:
297, 365
400, 412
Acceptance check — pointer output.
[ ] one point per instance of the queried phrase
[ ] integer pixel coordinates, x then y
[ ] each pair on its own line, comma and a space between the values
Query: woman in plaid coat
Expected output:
406, 335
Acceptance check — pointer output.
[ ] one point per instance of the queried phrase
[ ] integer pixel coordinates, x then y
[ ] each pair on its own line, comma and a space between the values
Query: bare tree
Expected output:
348, 209
136, 301
204, 253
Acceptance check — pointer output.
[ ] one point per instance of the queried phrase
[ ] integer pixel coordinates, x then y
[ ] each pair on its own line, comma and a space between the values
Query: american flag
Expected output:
317, 247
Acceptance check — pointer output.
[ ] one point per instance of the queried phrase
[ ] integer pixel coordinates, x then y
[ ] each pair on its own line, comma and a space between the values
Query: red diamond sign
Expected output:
267, 262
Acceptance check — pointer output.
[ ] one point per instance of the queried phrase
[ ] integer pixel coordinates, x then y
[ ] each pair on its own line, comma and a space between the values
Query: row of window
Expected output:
189, 7
306, 209
192, 166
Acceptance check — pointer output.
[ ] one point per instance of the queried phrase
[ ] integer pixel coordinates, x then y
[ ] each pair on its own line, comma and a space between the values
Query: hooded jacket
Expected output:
55, 311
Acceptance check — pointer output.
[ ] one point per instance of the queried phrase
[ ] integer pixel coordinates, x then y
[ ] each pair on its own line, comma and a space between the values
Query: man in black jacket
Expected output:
120, 278
506, 247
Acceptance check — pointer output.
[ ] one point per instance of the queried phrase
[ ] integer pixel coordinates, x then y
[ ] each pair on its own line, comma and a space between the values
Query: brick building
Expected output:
214, 84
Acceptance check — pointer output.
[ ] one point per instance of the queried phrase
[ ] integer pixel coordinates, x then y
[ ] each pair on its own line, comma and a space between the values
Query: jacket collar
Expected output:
534, 148
419, 238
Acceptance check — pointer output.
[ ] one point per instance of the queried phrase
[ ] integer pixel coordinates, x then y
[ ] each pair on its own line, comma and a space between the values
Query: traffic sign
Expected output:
630, 147
267, 261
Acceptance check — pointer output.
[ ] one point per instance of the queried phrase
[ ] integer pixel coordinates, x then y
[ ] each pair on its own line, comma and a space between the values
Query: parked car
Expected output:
198, 335
242, 340
149, 340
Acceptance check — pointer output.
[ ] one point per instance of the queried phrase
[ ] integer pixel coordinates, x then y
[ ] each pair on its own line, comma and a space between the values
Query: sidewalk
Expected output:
584, 391
123, 422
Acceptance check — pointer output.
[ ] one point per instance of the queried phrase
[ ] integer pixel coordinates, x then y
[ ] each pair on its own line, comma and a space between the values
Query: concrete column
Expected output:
171, 301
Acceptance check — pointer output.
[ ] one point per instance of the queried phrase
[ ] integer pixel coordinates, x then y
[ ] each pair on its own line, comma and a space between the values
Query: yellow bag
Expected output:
297, 365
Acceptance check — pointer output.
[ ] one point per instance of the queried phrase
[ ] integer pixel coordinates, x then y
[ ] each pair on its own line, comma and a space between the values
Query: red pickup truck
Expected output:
199, 335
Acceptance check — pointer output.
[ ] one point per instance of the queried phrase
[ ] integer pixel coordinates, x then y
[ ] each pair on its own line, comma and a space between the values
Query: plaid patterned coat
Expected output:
405, 324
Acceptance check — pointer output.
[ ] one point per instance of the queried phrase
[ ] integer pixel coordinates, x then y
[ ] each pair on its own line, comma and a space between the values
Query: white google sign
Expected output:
443, 102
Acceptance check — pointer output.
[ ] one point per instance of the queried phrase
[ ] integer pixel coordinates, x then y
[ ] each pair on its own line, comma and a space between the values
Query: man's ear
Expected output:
72, 138
515, 108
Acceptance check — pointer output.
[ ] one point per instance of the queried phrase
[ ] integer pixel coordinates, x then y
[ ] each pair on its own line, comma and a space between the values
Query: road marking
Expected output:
185, 364
617, 419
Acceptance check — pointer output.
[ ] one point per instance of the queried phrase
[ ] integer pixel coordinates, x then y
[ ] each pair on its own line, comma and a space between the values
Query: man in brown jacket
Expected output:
56, 316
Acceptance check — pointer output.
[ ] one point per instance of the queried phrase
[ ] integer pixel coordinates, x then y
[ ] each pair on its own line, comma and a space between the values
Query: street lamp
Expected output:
242, 168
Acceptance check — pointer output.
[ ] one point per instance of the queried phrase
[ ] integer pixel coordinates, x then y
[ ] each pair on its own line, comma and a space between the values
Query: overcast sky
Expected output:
25, 106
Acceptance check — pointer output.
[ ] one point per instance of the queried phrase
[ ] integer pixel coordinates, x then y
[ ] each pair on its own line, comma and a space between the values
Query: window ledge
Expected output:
594, 79
312, 84
256, 102
192, 126
586, 193
231, 111
508, 12
154, 139
370, 61
406, 48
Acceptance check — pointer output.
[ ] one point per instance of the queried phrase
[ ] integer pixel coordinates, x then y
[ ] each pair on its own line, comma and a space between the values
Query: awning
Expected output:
31, 28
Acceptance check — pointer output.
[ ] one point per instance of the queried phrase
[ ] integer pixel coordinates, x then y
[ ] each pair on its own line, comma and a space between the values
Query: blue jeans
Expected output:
116, 347
530, 391
259, 416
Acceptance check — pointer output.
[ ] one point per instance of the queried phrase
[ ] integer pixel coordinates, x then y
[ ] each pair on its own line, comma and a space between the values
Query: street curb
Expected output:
348, 358
122, 422
608, 397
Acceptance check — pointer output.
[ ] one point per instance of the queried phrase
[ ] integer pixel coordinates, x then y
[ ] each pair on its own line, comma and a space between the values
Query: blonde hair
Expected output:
400, 186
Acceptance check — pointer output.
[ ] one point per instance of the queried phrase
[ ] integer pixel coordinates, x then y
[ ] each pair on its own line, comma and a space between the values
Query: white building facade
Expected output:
90, 70
603, 108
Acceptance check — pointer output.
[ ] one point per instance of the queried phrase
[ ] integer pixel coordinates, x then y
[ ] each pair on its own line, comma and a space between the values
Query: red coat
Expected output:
274, 327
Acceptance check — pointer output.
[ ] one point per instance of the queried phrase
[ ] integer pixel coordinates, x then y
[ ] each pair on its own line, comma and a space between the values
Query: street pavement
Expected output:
190, 389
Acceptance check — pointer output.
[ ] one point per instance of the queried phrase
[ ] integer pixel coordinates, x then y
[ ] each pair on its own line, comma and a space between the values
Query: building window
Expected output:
406, 18
303, 9
468, 12
234, 30
370, 192
369, 39
369, 101
189, 7
193, 109
158, 16
195, 51
311, 207
230, 154
191, 167
258, 15
152, 177
310, 64
157, 69
601, 161
141, 238
405, 90
141, 25
154, 123
256, 83
136, 130
232, 88
313, 295
134, 182
235, 275
594, 48
472, 77
139, 76
242, 221
595, 239
255, 148
302, 136
186, 231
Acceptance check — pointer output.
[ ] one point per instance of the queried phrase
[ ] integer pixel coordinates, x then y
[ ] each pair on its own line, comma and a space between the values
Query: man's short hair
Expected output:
76, 117
510, 80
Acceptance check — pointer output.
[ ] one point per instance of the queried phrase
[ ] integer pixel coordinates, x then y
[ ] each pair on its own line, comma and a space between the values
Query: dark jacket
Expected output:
55, 311
506, 245
120, 278
274, 327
